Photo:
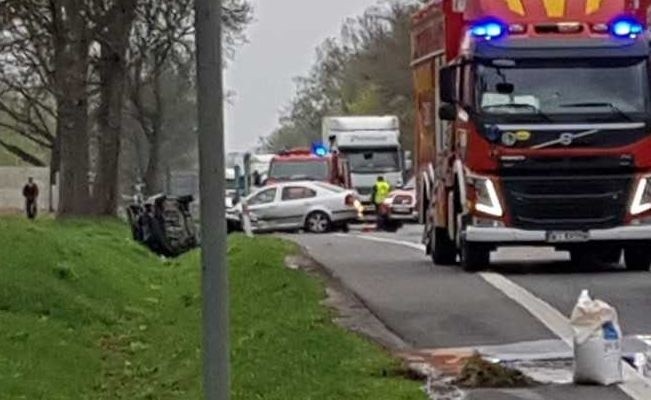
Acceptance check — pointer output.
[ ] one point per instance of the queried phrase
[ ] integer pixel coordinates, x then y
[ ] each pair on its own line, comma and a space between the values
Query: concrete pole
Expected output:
212, 184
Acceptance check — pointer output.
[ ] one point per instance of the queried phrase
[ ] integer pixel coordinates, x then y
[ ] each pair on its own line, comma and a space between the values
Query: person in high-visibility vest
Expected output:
381, 191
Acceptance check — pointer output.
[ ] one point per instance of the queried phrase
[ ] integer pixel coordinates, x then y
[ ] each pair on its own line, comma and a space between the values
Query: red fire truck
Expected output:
315, 164
534, 128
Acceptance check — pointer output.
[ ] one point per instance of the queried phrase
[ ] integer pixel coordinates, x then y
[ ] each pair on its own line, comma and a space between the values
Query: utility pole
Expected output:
212, 182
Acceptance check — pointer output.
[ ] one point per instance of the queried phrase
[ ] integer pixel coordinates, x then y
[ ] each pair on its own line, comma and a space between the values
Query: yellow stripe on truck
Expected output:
592, 6
516, 6
555, 8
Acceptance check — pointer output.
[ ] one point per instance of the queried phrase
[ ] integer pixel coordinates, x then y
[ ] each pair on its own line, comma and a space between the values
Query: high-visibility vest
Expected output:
382, 190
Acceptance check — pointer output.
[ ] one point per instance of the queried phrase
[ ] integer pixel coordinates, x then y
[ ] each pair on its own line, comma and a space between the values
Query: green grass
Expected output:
87, 314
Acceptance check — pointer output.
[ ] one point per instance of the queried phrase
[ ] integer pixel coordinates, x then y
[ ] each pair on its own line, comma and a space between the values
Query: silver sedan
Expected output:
316, 207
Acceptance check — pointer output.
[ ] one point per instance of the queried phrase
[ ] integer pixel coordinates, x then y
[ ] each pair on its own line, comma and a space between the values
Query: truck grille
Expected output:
365, 191
567, 202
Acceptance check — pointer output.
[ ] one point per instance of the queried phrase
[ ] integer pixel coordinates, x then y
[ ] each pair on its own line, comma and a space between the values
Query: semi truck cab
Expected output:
371, 148
543, 132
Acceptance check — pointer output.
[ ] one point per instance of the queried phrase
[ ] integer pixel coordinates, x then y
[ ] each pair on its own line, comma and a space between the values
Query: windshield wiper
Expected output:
613, 107
537, 110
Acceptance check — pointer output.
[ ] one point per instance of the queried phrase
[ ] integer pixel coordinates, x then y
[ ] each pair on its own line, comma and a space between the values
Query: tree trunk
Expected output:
153, 184
71, 69
55, 166
112, 85
153, 176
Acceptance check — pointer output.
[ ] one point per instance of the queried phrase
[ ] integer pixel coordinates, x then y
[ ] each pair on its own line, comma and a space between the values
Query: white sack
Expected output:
597, 342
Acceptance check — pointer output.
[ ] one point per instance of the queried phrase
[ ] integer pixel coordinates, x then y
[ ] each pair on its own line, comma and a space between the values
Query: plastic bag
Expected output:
597, 342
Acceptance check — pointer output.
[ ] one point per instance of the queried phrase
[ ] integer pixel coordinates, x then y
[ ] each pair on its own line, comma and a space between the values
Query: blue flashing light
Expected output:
488, 29
319, 150
626, 28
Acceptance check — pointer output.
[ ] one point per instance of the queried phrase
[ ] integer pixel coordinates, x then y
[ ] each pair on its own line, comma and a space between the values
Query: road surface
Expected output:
435, 307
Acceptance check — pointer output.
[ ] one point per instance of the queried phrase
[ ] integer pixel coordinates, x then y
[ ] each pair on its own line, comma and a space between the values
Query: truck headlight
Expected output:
642, 199
487, 201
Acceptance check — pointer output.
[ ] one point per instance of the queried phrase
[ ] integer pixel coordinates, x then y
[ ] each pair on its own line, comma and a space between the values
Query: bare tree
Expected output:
27, 106
114, 22
162, 44
67, 66
71, 39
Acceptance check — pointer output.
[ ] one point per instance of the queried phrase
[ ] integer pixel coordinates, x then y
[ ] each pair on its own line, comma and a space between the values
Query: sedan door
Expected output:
262, 208
295, 202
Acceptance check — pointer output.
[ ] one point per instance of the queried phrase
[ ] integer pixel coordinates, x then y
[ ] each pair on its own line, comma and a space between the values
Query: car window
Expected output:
297, 193
263, 197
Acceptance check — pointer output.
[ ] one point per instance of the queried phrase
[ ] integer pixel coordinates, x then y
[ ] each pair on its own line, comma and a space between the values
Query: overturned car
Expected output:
164, 224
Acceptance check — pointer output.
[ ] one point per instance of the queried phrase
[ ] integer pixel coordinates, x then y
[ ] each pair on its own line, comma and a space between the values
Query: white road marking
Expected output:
415, 246
635, 385
548, 315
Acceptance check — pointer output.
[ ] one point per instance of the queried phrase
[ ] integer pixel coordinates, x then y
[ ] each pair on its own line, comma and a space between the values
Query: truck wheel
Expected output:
443, 249
637, 258
611, 256
584, 258
474, 257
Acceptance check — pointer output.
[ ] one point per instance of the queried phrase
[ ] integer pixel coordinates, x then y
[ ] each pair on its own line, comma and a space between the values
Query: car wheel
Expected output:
318, 222
443, 250
637, 258
474, 256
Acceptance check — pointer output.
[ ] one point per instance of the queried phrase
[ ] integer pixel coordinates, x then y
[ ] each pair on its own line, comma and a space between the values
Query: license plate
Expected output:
568, 237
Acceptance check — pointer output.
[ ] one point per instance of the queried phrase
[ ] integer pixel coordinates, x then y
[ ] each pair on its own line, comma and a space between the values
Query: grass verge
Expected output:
87, 314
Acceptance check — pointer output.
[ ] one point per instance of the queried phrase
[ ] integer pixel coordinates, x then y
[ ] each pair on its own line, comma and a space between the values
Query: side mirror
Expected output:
448, 112
448, 83
409, 164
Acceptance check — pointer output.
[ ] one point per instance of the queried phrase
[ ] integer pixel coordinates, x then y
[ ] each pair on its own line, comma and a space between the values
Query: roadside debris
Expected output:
597, 342
480, 373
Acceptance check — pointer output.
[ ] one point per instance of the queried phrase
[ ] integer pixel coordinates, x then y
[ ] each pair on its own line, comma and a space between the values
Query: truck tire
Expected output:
637, 258
611, 256
587, 258
443, 249
474, 257
582, 259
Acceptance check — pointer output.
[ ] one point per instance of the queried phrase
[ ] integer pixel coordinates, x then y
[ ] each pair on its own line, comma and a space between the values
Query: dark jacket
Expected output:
30, 191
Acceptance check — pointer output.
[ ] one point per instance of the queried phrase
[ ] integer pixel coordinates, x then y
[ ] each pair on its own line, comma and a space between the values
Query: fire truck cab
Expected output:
534, 128
315, 164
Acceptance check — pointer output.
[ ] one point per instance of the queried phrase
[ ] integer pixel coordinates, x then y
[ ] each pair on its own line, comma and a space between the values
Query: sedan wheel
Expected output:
318, 222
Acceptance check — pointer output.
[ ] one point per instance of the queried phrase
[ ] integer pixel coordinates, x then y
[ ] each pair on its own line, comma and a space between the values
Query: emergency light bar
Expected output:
626, 27
319, 150
488, 30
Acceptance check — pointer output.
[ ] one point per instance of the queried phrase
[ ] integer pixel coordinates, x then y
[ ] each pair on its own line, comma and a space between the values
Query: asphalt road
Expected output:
435, 307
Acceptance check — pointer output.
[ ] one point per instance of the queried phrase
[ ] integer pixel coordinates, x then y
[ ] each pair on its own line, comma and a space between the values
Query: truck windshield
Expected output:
316, 170
372, 161
610, 89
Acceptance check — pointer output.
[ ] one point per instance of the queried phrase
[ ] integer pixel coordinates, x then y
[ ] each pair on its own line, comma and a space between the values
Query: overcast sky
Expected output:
282, 44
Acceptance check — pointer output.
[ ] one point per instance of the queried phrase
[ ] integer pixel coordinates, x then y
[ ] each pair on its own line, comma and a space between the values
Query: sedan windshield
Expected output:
373, 161
610, 88
299, 170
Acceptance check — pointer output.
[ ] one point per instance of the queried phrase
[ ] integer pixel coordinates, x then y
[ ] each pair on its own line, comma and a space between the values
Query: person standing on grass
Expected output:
30, 193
